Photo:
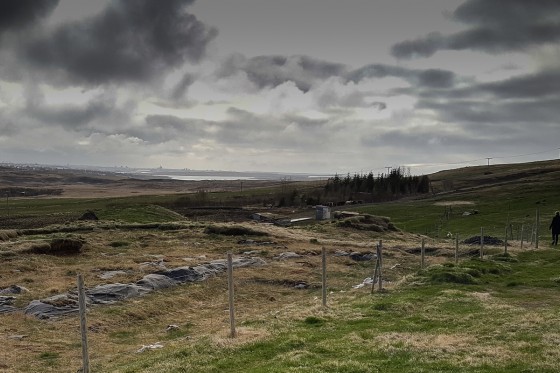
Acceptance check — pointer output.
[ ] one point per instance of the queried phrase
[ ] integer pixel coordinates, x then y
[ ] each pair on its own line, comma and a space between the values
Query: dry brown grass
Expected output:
264, 295
7, 234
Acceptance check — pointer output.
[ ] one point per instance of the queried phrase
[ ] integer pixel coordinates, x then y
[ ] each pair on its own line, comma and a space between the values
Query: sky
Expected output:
312, 86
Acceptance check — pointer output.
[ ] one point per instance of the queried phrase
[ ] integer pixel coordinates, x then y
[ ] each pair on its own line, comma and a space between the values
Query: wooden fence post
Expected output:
456, 247
233, 332
506, 241
538, 217
324, 278
511, 231
481, 243
422, 254
83, 323
380, 254
375, 270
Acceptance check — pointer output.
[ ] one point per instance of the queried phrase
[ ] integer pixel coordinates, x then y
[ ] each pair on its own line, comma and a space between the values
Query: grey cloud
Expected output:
356, 99
128, 41
429, 144
100, 114
180, 89
490, 112
511, 12
435, 78
415, 138
496, 26
534, 86
7, 126
531, 87
238, 130
422, 47
241, 129
289, 132
430, 78
71, 116
271, 71
15, 14
163, 128
305, 122
242, 115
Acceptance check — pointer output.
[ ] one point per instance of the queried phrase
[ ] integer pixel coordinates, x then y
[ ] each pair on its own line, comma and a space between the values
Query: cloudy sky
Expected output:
316, 86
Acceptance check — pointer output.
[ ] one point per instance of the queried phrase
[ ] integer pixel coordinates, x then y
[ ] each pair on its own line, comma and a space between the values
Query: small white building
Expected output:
322, 212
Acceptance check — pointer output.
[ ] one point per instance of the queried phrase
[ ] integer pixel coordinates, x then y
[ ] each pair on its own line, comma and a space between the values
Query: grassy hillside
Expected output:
494, 314
489, 197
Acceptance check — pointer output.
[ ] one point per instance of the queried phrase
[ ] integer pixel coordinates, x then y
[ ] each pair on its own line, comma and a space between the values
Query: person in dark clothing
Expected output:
555, 228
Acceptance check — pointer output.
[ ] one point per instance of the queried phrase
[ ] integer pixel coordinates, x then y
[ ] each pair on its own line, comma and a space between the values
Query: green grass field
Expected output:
505, 321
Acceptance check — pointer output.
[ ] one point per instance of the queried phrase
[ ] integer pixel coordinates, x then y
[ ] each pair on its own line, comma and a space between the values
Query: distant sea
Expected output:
189, 175
204, 177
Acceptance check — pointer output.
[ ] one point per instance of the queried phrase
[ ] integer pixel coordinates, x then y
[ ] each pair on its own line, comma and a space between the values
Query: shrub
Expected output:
313, 320
367, 222
116, 244
233, 231
453, 277
58, 246
452, 274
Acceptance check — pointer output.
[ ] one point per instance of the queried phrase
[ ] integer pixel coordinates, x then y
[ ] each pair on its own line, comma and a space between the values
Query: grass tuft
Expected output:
314, 321
233, 231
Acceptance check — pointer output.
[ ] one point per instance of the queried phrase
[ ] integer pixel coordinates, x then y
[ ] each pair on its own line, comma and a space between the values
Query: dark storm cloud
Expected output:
271, 71
128, 41
16, 14
495, 26
431, 78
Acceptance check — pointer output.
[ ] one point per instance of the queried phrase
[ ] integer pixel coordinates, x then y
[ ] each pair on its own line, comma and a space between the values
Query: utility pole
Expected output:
488, 161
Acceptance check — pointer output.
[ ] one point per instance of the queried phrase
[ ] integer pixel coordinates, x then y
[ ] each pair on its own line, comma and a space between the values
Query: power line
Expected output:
525, 155
470, 161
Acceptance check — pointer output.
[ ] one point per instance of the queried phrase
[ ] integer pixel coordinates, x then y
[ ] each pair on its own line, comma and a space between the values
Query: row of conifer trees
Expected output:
397, 183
